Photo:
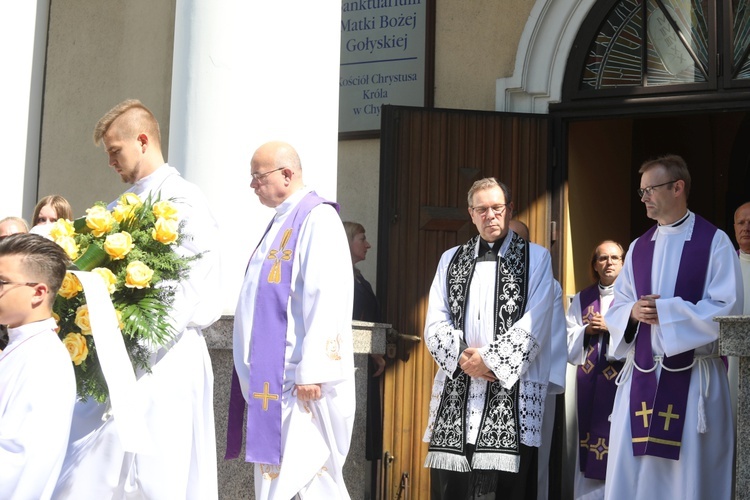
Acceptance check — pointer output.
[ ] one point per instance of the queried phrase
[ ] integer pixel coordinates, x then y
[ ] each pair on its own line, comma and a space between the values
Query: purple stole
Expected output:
596, 390
268, 348
663, 402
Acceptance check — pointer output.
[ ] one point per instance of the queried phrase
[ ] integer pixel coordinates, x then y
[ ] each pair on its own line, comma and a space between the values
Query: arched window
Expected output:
639, 47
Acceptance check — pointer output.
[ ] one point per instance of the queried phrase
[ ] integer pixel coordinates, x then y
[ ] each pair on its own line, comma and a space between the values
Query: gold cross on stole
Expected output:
668, 415
644, 413
265, 396
275, 275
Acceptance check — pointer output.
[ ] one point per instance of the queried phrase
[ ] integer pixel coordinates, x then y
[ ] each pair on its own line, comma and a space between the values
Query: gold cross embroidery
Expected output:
265, 396
600, 449
644, 413
281, 254
609, 372
589, 315
587, 366
668, 415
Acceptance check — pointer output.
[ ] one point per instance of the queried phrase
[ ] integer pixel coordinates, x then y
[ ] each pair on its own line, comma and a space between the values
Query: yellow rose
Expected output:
61, 228
70, 286
110, 280
56, 317
99, 220
122, 213
75, 343
138, 275
68, 243
165, 231
82, 319
130, 199
118, 245
165, 209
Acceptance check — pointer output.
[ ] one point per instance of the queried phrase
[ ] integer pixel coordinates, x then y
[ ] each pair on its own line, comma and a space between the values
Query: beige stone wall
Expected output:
475, 44
99, 54
357, 193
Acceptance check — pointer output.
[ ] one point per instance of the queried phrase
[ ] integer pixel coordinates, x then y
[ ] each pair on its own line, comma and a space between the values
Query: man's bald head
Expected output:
742, 227
276, 171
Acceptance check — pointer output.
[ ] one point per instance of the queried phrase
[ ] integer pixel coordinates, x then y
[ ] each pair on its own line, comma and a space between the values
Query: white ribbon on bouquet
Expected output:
128, 405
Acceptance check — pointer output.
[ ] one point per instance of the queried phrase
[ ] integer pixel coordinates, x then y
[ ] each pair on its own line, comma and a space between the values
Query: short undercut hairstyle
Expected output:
137, 118
43, 260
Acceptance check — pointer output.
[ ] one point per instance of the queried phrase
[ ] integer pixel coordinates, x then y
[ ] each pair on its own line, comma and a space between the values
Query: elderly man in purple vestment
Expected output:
588, 346
671, 434
293, 353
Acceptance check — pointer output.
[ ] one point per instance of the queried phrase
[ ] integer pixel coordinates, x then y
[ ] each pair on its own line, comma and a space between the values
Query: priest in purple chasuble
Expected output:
179, 389
671, 434
596, 370
293, 353
487, 328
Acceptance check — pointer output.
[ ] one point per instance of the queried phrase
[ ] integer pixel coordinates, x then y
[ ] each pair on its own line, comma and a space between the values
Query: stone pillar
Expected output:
245, 73
23, 33
734, 340
236, 476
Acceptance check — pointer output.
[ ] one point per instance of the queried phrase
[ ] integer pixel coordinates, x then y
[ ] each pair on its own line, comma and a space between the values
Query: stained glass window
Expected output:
741, 39
675, 50
658, 43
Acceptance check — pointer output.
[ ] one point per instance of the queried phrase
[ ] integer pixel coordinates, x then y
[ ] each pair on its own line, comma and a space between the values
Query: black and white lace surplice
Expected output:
498, 442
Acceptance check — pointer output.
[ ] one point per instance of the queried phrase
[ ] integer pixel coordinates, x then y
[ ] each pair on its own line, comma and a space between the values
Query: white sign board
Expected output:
382, 59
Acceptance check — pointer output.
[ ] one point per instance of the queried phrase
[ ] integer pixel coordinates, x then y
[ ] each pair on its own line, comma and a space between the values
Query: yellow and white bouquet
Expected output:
132, 248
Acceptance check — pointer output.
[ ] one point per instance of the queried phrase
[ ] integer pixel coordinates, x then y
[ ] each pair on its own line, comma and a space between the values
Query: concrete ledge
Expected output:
734, 340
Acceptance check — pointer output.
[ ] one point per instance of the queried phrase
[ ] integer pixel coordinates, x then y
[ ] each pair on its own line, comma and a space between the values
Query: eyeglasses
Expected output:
496, 210
258, 177
649, 190
604, 258
3, 283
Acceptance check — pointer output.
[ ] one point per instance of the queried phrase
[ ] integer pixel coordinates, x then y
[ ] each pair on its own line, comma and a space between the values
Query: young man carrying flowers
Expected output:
179, 387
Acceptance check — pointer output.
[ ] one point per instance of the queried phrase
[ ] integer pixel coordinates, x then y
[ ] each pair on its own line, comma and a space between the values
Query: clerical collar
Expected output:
744, 256
488, 251
606, 289
679, 222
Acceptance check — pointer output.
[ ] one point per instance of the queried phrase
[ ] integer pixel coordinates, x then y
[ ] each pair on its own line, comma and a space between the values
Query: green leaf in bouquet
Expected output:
93, 257
148, 319
80, 226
